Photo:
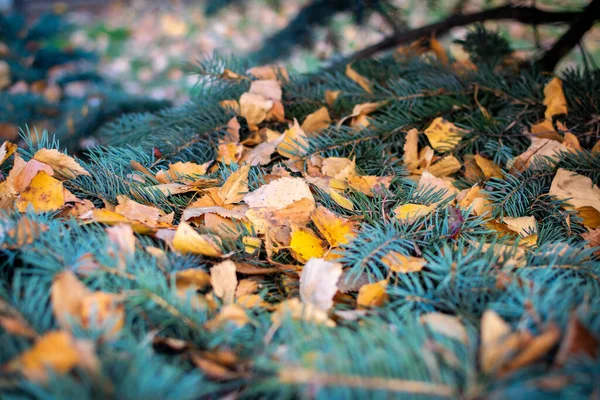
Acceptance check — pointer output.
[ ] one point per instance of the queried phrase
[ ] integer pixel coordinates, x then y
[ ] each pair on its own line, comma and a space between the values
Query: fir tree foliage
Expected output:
174, 345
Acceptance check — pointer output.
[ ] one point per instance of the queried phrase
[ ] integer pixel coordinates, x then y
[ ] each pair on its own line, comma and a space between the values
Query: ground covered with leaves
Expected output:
410, 226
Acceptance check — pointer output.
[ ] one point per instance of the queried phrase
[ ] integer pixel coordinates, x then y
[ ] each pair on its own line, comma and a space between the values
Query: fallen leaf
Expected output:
554, 98
61, 163
536, 348
359, 79
578, 190
443, 135
524, 226
400, 263
305, 244
488, 167
55, 351
447, 325
539, 150
430, 183
407, 213
578, 341
279, 194
224, 281
135, 211
445, 167
187, 240
229, 313
183, 172
251, 244
411, 150
193, 279
254, 107
294, 143
372, 295
316, 121
236, 186
269, 72
340, 199
44, 193
336, 230
318, 282
294, 309
331, 96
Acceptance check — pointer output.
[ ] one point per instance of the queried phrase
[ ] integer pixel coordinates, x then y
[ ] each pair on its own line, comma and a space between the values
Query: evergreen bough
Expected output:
389, 351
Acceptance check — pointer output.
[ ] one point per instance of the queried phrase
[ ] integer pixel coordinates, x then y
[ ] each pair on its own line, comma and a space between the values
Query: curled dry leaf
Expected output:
400, 263
316, 121
554, 98
187, 240
318, 282
359, 79
236, 186
61, 163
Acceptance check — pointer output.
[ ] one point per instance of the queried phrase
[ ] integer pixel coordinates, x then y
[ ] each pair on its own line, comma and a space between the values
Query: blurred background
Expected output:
144, 45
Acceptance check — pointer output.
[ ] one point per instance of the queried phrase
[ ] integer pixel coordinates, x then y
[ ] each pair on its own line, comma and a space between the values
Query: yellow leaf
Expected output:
61, 163
411, 150
191, 279
444, 167
294, 143
372, 295
66, 293
540, 149
443, 135
229, 153
358, 78
305, 244
340, 199
100, 309
316, 121
397, 262
224, 281
554, 98
236, 186
251, 244
369, 184
409, 212
318, 282
55, 350
490, 169
44, 193
184, 172
331, 96
187, 240
336, 230
230, 313
590, 216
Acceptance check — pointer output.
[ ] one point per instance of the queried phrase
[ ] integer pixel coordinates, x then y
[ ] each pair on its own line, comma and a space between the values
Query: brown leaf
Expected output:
316, 121
359, 79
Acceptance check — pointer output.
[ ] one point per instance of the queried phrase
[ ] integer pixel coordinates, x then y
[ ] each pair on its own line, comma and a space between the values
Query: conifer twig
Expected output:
526, 15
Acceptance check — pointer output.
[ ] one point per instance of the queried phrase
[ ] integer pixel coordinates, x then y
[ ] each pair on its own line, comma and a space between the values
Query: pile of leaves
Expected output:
409, 226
